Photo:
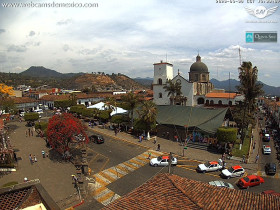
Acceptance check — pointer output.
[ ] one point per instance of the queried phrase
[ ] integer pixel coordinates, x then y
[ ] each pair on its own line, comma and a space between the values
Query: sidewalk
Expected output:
53, 175
168, 146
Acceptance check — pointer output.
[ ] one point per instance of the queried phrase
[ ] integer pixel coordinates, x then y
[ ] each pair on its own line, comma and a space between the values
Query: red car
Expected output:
250, 181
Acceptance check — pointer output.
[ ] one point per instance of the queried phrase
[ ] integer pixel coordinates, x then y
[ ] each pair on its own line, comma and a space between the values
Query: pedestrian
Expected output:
243, 159
257, 158
224, 156
26, 133
43, 153
158, 147
15, 156
155, 140
224, 164
140, 138
116, 131
29, 132
150, 154
30, 158
35, 159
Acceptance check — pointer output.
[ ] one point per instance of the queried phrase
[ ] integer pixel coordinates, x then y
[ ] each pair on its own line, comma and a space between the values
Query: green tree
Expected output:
31, 117
130, 101
249, 85
8, 105
147, 116
174, 91
251, 89
227, 135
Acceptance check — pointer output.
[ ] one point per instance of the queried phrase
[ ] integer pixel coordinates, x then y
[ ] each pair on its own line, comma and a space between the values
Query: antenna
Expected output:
239, 51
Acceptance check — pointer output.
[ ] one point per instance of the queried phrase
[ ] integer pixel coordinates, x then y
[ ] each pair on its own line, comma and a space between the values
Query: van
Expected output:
39, 111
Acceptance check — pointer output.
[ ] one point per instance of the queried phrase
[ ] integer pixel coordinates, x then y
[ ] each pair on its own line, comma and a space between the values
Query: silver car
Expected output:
219, 183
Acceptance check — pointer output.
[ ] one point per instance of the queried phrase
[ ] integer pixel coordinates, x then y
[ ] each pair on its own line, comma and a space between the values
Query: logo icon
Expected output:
261, 11
249, 37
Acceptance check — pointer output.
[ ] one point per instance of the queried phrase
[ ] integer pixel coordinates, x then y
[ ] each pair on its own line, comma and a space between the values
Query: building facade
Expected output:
197, 85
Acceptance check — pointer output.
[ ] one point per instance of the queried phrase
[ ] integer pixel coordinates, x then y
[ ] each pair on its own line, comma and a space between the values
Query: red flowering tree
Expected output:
65, 129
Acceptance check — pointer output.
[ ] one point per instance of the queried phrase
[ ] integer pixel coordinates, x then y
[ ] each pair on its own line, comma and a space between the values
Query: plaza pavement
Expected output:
54, 176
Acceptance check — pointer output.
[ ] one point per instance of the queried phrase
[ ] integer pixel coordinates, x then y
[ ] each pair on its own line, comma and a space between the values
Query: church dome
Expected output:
198, 66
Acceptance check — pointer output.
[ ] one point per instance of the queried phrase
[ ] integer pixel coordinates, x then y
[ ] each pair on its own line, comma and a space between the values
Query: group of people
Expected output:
29, 131
32, 159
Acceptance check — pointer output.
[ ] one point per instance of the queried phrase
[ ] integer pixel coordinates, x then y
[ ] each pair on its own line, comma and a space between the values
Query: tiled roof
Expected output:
221, 95
23, 100
167, 191
25, 195
78, 96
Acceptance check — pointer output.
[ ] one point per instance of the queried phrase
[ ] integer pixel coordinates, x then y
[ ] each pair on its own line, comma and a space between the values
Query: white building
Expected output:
198, 85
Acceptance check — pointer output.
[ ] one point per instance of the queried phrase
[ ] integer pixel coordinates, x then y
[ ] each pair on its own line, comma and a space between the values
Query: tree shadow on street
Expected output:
75, 155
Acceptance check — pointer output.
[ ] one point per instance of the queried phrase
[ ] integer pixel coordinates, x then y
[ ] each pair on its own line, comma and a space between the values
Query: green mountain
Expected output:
40, 71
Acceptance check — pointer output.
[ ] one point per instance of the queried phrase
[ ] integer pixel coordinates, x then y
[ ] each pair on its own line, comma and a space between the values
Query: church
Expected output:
193, 91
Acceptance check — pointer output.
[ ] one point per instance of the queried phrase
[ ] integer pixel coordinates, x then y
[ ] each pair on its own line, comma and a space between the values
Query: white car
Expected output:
219, 183
210, 166
234, 171
162, 161
266, 150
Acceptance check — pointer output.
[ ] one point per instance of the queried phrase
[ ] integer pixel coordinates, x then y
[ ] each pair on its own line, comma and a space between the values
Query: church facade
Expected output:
193, 90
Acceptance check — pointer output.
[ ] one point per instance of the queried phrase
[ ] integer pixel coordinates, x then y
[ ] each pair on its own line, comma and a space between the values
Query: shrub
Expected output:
227, 135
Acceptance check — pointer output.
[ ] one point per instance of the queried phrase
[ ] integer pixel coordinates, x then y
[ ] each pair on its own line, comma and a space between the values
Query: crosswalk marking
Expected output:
131, 166
118, 173
102, 180
139, 161
123, 168
107, 176
104, 195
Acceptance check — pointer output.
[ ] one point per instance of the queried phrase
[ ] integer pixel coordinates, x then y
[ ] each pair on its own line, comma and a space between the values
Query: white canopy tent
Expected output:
102, 106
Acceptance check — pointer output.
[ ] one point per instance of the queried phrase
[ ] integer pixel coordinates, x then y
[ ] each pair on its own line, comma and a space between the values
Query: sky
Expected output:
129, 36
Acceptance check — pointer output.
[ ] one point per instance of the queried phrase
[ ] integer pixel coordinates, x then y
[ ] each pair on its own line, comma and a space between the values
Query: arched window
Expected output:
230, 103
211, 102
207, 102
160, 95
220, 102
200, 101
160, 81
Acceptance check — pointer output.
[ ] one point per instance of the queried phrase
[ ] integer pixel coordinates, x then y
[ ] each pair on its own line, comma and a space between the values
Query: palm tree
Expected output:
147, 115
131, 101
173, 89
249, 85
251, 89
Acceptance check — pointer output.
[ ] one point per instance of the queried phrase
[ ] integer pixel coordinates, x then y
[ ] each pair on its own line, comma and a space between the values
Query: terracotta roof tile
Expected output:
221, 95
167, 191
22, 100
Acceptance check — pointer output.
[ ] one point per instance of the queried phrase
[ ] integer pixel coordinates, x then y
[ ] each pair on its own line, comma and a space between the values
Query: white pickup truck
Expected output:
210, 166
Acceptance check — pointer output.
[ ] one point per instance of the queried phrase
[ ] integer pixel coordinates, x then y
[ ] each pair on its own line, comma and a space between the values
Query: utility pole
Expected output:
169, 162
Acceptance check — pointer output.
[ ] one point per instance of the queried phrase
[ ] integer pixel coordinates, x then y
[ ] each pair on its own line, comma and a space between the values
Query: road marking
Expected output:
111, 199
130, 165
123, 169
209, 174
140, 161
101, 180
116, 172
106, 176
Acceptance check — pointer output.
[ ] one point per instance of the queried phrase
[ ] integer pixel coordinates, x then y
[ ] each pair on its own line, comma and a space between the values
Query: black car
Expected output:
96, 138
270, 168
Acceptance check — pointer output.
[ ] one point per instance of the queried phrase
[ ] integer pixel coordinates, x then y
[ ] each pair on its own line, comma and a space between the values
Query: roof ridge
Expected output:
182, 190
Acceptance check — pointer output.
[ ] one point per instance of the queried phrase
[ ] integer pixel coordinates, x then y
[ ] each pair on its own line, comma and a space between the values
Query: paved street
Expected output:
118, 166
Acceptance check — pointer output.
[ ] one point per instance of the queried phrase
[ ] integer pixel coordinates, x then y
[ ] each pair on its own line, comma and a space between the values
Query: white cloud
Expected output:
129, 36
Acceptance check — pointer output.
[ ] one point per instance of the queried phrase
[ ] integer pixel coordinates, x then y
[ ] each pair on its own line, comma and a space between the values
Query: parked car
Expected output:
96, 138
163, 161
210, 166
270, 168
22, 114
39, 111
233, 171
266, 150
266, 137
220, 183
250, 181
